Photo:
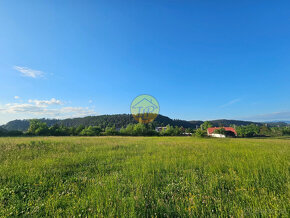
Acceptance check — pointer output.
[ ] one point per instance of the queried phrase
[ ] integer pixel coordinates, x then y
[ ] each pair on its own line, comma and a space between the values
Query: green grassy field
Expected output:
144, 177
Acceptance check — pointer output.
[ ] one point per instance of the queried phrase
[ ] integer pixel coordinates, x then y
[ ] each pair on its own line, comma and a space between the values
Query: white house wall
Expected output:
217, 135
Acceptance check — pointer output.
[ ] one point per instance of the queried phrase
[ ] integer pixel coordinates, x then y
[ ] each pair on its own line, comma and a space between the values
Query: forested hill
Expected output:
22, 125
3, 130
122, 120
118, 120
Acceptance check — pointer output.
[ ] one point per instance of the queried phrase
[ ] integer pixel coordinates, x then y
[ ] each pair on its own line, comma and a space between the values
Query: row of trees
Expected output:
251, 130
4, 132
103, 121
38, 128
149, 130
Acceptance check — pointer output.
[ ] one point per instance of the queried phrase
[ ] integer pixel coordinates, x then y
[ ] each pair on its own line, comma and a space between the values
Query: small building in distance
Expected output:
187, 134
230, 131
159, 129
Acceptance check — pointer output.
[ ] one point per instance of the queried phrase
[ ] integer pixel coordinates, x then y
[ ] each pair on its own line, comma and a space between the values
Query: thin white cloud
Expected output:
45, 108
275, 116
52, 101
16, 97
90, 101
27, 72
230, 102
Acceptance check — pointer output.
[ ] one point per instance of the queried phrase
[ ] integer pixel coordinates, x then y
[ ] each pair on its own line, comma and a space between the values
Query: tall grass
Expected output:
144, 177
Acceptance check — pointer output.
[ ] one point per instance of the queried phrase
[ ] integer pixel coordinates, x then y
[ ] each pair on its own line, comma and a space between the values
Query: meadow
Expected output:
144, 177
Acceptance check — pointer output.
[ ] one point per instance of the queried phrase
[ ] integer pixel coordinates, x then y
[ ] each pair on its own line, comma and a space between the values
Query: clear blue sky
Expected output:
199, 59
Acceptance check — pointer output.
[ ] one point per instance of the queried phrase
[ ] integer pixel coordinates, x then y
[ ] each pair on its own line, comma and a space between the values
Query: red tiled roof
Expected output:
212, 129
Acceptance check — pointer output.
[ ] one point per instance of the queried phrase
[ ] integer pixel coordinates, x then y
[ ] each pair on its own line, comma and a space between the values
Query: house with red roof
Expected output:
229, 130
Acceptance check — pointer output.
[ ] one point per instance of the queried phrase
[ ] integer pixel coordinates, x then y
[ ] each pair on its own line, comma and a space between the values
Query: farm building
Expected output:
159, 129
229, 131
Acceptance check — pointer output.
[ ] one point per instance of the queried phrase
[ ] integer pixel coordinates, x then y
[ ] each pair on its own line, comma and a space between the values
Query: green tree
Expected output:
248, 131
265, 131
91, 131
129, 129
79, 129
38, 128
200, 133
286, 131
59, 130
140, 129
206, 125
110, 131
168, 131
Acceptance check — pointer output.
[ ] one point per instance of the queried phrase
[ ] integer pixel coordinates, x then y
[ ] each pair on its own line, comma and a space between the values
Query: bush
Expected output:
248, 131
91, 131
200, 133
286, 131
110, 131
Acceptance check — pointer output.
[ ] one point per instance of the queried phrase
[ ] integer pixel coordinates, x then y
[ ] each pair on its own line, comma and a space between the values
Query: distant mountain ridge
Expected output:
122, 120
277, 122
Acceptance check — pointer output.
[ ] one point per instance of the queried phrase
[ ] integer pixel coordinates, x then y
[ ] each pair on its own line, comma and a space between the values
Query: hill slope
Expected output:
117, 120
122, 120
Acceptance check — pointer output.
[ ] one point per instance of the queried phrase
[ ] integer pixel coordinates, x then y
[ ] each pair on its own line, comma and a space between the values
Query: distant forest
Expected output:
40, 128
122, 120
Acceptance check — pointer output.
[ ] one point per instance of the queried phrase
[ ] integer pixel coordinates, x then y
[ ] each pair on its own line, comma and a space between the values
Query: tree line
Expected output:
39, 128
103, 121
246, 131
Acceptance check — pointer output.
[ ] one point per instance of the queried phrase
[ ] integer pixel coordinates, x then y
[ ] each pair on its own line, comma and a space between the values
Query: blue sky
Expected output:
199, 59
